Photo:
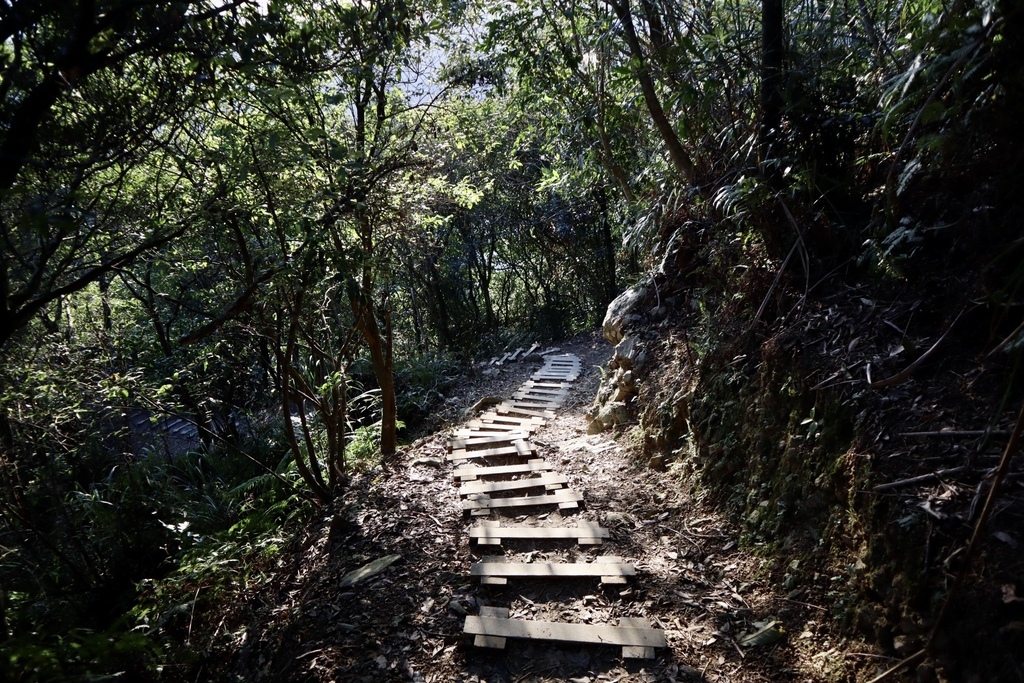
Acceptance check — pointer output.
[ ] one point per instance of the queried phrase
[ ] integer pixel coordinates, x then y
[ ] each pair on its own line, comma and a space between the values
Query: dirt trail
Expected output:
405, 623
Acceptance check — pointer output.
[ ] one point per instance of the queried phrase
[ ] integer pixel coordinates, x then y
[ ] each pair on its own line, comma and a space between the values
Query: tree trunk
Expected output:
680, 159
772, 54
383, 365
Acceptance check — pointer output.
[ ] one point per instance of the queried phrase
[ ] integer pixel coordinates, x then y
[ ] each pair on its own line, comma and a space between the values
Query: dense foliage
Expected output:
243, 242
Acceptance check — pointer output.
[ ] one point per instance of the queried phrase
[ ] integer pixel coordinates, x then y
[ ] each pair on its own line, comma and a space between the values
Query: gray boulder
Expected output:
625, 309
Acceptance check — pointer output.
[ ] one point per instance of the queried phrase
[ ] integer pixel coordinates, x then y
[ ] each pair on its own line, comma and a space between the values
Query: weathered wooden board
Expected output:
570, 377
531, 384
565, 499
477, 428
543, 391
514, 408
493, 418
525, 399
487, 439
494, 628
503, 358
515, 355
520, 448
496, 571
470, 472
550, 481
551, 351
491, 641
585, 533
536, 345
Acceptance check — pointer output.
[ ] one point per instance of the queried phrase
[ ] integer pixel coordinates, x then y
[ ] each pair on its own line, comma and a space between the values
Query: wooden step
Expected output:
549, 481
493, 417
491, 533
477, 428
538, 376
471, 472
496, 571
538, 402
542, 391
522, 449
513, 408
492, 627
487, 439
565, 499
533, 384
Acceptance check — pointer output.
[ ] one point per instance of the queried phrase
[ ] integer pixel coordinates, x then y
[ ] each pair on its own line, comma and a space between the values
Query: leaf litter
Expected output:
379, 587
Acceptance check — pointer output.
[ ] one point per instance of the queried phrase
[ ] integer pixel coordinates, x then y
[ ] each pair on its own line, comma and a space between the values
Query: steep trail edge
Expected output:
726, 613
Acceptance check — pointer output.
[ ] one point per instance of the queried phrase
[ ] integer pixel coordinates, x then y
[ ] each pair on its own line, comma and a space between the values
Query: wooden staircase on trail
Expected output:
504, 432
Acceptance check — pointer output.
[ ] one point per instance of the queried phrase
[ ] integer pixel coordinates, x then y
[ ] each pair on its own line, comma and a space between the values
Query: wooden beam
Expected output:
496, 571
585, 533
520, 448
531, 384
549, 481
513, 408
538, 402
471, 472
636, 639
543, 391
487, 440
570, 377
477, 428
565, 499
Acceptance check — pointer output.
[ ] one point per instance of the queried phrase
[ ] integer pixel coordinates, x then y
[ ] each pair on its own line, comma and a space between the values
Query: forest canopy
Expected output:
245, 244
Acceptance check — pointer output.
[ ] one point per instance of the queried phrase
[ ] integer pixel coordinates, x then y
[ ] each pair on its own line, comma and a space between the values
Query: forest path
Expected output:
726, 614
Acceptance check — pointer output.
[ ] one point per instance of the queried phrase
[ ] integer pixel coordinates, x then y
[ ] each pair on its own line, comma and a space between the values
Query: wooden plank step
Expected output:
565, 499
478, 423
536, 345
487, 439
542, 392
531, 384
551, 351
493, 417
492, 627
502, 359
568, 377
525, 397
520, 448
487, 430
559, 371
472, 472
538, 401
513, 408
475, 428
515, 355
491, 533
495, 571
549, 481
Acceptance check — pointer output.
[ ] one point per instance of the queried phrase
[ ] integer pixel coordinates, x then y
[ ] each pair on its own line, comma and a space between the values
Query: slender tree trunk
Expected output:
382, 360
680, 159
772, 55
